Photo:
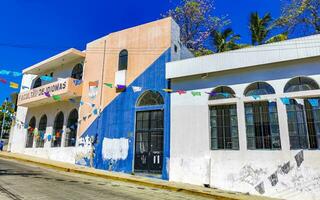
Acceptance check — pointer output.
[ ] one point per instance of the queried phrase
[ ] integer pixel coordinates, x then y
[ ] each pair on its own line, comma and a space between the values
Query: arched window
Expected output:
37, 83
57, 130
259, 88
71, 132
301, 84
303, 123
77, 72
30, 132
222, 92
150, 98
123, 60
41, 131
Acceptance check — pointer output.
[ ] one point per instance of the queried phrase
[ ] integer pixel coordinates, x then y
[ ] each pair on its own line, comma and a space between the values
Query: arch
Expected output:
77, 71
37, 83
259, 88
222, 92
71, 133
150, 98
57, 130
300, 84
123, 60
30, 132
41, 129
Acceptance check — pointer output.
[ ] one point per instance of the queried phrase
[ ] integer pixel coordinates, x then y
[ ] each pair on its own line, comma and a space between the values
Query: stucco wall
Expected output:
192, 161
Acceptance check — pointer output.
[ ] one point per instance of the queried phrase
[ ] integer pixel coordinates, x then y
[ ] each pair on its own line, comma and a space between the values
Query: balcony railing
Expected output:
65, 88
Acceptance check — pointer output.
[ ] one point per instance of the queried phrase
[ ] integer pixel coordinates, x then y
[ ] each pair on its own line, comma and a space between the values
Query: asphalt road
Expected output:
23, 181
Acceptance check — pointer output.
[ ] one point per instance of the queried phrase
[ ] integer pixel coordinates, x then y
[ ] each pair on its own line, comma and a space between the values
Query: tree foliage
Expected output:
224, 40
196, 23
261, 29
4, 111
300, 17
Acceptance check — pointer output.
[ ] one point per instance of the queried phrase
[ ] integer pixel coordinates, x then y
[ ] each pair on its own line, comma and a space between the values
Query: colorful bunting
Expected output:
195, 93
168, 90
16, 74
181, 92
47, 94
81, 103
136, 89
256, 97
314, 102
212, 93
77, 82
4, 72
14, 85
49, 137
2, 80
285, 101
56, 97
93, 83
121, 87
108, 85
95, 111
46, 78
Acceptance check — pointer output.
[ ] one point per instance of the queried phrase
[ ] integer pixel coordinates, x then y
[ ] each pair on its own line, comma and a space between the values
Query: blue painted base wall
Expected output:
117, 120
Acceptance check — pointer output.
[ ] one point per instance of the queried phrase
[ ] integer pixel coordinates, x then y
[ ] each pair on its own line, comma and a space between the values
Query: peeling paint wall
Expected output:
115, 149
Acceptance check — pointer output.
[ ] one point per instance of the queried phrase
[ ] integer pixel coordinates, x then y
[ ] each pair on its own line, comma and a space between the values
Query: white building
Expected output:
249, 120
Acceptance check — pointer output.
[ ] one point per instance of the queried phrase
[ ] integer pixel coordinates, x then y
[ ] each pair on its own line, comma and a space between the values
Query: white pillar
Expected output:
241, 125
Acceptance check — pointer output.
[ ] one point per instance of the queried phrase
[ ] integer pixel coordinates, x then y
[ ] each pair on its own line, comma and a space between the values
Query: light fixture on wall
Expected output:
204, 76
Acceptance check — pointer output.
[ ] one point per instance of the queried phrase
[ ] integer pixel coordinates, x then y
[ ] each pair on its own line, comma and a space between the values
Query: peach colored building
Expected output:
103, 107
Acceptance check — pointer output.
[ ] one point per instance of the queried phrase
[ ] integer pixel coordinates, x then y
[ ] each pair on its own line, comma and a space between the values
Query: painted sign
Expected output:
43, 90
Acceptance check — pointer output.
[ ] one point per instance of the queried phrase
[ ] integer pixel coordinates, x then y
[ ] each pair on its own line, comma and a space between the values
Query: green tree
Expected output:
224, 40
261, 29
196, 23
300, 17
7, 110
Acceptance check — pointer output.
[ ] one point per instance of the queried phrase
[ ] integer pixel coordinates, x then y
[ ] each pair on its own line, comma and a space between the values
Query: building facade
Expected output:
120, 115
248, 120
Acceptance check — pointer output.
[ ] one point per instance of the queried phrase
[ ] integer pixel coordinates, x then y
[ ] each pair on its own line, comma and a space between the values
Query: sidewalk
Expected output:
157, 183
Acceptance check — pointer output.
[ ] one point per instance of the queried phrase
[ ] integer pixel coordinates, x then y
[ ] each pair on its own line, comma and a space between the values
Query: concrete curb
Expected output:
178, 187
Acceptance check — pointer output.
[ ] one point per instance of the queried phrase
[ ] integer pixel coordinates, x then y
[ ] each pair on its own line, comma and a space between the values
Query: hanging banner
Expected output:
14, 85
136, 89
77, 82
273, 179
46, 78
314, 102
195, 93
56, 97
2, 80
108, 85
299, 158
93, 89
285, 101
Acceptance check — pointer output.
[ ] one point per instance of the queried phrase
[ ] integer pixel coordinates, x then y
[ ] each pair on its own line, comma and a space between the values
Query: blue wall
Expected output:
117, 120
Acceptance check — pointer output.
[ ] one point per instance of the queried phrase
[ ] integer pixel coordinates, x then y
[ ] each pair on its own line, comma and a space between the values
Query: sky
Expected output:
33, 30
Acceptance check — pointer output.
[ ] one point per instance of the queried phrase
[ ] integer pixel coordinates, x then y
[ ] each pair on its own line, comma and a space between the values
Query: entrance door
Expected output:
149, 142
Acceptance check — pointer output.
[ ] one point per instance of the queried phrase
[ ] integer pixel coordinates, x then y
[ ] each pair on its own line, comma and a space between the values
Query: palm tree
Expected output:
259, 27
224, 40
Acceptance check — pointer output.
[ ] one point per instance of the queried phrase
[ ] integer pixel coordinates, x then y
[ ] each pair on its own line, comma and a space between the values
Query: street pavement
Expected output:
20, 181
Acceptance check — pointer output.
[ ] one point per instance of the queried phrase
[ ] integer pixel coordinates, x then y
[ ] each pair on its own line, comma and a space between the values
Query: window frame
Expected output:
123, 60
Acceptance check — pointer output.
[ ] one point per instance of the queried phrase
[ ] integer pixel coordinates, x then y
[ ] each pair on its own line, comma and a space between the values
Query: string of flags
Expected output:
10, 73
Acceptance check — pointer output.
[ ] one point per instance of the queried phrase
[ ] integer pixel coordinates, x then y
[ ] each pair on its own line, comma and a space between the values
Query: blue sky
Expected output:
44, 28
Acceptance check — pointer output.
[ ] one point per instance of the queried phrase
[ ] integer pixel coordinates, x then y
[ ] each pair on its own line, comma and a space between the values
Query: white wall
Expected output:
193, 162
19, 133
